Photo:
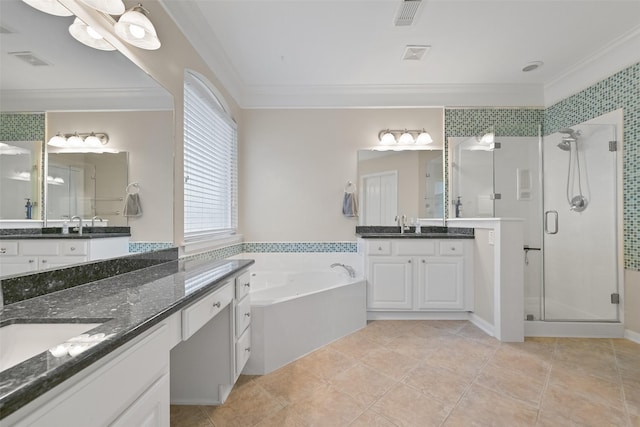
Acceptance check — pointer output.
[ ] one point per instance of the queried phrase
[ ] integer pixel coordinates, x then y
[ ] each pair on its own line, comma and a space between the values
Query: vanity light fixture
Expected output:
136, 29
110, 7
404, 137
88, 36
52, 7
93, 142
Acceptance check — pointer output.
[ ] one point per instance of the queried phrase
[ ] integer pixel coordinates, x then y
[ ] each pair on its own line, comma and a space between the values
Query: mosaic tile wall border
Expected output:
621, 90
300, 247
138, 247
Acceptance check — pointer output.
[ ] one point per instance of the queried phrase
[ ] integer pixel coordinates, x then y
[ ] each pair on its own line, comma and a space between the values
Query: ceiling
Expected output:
333, 53
297, 52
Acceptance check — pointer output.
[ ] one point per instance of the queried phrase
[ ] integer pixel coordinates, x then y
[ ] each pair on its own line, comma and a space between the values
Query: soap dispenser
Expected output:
65, 227
28, 208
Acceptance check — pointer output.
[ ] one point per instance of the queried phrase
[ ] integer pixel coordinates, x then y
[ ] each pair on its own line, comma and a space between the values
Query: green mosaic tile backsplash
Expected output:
22, 127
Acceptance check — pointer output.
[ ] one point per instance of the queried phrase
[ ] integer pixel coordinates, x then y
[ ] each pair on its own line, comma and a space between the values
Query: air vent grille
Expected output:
407, 12
415, 52
30, 57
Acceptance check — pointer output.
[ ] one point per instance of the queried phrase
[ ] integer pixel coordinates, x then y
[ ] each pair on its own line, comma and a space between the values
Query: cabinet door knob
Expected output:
248, 349
453, 248
424, 262
217, 304
31, 261
409, 261
72, 248
248, 285
3, 250
44, 261
248, 314
379, 248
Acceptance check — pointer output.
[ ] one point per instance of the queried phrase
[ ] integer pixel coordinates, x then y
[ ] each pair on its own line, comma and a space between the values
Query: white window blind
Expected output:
210, 164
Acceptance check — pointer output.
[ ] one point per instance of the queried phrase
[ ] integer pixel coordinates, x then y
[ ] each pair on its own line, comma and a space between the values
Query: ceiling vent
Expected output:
415, 52
407, 12
29, 57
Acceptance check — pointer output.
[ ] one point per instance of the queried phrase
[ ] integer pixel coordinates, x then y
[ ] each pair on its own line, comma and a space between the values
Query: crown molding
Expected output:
128, 99
616, 56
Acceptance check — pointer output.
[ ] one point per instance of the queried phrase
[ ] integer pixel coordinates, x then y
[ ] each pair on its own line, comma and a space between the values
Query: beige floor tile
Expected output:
483, 407
246, 407
189, 416
362, 383
406, 406
285, 417
540, 347
411, 346
635, 420
326, 362
632, 396
604, 369
628, 360
473, 332
371, 419
326, 406
561, 403
462, 357
425, 330
517, 384
290, 383
515, 359
391, 363
451, 326
590, 387
442, 384
354, 345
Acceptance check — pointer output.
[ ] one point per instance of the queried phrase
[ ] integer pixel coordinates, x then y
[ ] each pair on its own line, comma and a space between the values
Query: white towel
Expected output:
350, 205
132, 206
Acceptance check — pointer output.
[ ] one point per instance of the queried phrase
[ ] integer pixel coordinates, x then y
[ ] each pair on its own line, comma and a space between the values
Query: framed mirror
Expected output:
401, 182
21, 168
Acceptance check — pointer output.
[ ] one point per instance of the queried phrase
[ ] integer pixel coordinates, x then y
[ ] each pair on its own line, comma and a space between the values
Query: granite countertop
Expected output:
428, 232
126, 305
56, 233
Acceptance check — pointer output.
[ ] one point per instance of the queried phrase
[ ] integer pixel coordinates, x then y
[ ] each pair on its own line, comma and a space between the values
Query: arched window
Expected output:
210, 163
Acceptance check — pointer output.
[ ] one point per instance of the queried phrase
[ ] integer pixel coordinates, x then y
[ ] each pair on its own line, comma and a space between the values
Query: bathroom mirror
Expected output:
20, 179
87, 185
47, 72
405, 182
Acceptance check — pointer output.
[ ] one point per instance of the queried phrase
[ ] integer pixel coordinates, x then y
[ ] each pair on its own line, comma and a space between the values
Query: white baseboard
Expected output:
482, 324
632, 335
538, 328
417, 315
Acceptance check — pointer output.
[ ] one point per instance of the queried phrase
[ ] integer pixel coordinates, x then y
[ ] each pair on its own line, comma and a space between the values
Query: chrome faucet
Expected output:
350, 270
93, 221
402, 223
79, 227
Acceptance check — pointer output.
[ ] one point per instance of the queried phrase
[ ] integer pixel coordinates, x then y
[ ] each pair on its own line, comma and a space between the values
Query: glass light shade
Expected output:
406, 138
136, 29
92, 141
52, 7
488, 138
58, 140
88, 36
110, 7
75, 141
387, 138
424, 138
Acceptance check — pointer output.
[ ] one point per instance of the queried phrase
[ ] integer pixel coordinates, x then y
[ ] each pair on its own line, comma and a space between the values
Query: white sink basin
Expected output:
22, 341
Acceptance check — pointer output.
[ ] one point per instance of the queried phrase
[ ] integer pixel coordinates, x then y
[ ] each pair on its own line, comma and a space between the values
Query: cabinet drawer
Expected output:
378, 247
415, 247
243, 316
77, 247
40, 247
243, 285
243, 350
453, 247
8, 248
196, 315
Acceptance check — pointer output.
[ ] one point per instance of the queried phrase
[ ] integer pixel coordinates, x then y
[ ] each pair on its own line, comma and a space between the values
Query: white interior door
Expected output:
379, 198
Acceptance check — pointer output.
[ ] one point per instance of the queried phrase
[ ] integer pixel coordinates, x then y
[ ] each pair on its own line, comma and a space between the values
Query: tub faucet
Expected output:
79, 227
94, 219
350, 270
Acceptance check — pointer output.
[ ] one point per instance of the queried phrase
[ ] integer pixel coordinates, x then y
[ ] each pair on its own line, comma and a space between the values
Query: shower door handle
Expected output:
555, 222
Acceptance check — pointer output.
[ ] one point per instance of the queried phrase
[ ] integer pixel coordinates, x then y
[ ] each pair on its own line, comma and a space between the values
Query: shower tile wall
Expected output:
621, 90
22, 127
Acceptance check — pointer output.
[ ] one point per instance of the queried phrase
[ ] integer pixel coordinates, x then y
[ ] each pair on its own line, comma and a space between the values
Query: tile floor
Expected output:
438, 373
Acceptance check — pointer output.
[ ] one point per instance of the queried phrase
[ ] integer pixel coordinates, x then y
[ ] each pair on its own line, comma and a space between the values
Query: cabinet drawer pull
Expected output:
217, 304
248, 314
453, 248
248, 285
424, 262
248, 349
3, 250
31, 261
72, 248
409, 261
44, 261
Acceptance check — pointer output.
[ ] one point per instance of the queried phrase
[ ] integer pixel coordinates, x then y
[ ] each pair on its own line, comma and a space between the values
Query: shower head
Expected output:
572, 136
565, 144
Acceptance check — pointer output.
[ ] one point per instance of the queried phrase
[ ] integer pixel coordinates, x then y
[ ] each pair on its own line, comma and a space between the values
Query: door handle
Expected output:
555, 222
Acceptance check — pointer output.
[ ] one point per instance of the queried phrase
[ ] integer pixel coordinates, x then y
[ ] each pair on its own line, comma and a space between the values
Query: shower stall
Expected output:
567, 188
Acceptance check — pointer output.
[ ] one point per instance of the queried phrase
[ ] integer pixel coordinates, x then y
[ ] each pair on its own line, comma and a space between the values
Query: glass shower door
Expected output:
580, 241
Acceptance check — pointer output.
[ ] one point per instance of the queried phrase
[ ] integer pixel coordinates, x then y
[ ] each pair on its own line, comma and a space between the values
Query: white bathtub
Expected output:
295, 313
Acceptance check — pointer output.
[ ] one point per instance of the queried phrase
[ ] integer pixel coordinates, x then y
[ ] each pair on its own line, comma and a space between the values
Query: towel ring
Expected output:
133, 188
350, 188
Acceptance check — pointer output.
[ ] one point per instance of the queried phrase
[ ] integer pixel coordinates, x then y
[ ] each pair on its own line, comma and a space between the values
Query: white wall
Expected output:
294, 165
148, 138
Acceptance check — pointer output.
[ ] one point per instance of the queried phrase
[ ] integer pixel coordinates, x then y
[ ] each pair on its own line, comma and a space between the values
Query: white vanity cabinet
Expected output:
418, 274
129, 387
243, 322
33, 255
